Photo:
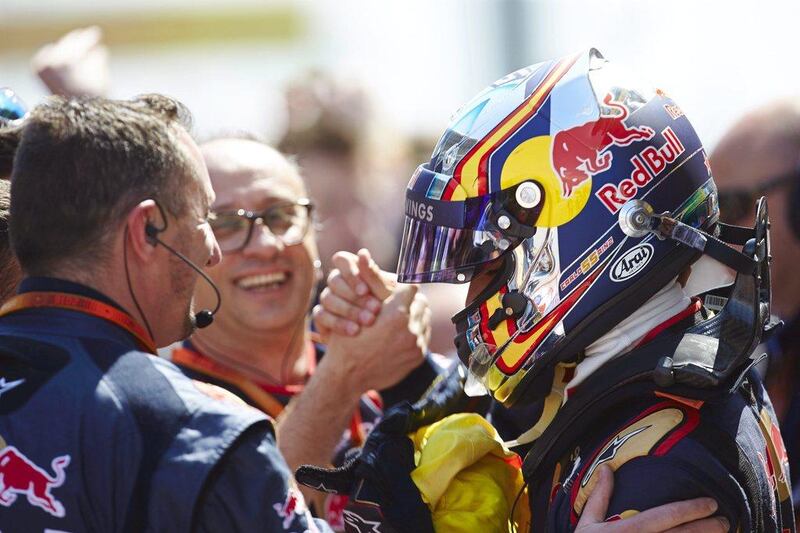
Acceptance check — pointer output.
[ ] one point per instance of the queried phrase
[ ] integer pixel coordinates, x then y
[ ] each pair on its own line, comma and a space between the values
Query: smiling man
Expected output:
260, 345
96, 432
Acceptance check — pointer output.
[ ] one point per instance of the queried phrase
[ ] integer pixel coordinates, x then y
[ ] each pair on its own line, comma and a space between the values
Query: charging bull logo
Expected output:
581, 152
293, 506
20, 475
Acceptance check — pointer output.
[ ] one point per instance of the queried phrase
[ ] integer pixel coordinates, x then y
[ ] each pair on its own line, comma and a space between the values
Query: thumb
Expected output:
331, 480
379, 282
595, 510
402, 298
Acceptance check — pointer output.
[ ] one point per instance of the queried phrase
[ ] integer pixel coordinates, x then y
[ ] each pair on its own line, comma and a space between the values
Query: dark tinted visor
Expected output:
446, 241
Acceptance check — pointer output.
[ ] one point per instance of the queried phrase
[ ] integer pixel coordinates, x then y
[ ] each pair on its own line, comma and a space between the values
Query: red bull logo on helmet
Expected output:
21, 476
581, 152
648, 164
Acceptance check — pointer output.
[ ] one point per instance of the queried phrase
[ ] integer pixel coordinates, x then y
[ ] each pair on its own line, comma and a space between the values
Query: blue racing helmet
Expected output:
539, 180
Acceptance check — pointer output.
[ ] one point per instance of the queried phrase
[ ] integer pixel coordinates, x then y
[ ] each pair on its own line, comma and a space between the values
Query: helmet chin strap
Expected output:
550, 408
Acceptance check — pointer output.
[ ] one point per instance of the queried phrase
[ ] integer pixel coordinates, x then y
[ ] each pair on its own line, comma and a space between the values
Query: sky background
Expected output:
421, 59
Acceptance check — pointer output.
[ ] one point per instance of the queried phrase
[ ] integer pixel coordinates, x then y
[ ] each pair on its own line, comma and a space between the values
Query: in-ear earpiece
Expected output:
151, 231
204, 317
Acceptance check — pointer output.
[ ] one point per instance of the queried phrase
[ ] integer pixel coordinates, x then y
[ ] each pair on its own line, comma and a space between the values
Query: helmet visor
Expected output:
430, 253
444, 241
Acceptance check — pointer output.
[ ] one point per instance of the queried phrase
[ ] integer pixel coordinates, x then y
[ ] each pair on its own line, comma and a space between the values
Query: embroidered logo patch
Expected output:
640, 438
21, 476
293, 506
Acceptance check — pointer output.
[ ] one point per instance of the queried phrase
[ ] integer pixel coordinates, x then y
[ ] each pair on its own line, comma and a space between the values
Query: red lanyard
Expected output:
82, 304
257, 393
199, 363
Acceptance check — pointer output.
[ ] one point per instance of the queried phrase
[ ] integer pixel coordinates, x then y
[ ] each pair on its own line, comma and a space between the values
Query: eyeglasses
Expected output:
288, 222
735, 204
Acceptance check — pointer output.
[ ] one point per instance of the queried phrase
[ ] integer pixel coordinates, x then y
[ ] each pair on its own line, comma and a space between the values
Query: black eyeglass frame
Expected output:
252, 217
736, 203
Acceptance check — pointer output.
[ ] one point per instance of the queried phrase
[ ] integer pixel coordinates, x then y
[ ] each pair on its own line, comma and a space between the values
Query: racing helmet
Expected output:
543, 179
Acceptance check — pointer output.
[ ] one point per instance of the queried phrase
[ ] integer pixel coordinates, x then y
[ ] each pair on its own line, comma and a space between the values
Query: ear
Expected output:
143, 221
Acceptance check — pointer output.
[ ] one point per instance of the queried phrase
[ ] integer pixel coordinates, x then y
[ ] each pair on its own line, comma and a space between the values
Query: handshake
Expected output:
380, 329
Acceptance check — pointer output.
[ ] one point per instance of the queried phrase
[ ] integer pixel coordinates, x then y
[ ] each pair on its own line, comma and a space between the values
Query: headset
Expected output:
204, 317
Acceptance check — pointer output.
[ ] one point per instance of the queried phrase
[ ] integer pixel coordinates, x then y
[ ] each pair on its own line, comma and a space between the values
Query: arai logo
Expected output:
631, 262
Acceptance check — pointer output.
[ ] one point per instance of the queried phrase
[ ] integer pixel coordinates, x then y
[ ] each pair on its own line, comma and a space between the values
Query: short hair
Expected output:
82, 164
10, 274
9, 140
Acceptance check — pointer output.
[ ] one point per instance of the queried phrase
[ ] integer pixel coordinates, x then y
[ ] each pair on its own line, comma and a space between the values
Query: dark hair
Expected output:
10, 274
82, 164
9, 140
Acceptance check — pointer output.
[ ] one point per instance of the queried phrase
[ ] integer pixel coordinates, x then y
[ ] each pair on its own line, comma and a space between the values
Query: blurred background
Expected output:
359, 90
418, 60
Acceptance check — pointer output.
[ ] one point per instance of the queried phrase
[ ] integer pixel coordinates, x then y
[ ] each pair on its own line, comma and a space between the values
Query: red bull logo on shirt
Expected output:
581, 152
294, 505
21, 476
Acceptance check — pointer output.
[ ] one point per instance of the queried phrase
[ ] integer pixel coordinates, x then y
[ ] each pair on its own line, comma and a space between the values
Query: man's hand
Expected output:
353, 296
75, 65
689, 516
382, 329
378, 479
383, 353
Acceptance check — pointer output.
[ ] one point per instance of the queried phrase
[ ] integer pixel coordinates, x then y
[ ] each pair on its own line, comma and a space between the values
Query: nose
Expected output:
263, 242
216, 254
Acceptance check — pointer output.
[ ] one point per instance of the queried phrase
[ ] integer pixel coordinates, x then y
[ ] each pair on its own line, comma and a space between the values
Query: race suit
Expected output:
272, 398
664, 444
96, 434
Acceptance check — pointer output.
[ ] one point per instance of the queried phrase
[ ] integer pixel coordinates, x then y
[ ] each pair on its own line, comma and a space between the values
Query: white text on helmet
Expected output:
631, 262
419, 210
648, 164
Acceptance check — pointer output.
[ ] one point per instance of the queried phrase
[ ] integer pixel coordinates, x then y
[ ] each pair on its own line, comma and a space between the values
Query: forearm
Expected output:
313, 422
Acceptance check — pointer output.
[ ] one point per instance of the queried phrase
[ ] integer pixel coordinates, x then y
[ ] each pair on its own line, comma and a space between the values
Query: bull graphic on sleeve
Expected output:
20, 475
